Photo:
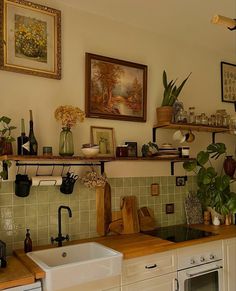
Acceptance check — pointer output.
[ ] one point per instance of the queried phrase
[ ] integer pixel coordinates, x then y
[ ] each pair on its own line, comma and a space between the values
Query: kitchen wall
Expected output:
38, 211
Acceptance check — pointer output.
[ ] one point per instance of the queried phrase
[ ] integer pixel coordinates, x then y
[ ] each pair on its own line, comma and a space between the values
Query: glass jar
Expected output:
191, 115
212, 120
218, 119
182, 116
204, 119
232, 125
198, 119
66, 146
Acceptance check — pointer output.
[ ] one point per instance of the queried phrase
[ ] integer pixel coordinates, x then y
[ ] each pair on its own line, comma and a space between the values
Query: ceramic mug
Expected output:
179, 136
189, 137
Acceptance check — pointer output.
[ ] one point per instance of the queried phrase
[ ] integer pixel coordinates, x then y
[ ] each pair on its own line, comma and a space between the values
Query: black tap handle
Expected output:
52, 240
67, 237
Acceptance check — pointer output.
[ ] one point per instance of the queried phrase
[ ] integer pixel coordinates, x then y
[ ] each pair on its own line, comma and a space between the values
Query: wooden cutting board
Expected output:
103, 207
130, 214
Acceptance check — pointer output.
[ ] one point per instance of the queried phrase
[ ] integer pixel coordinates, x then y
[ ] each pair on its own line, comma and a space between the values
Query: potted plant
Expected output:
6, 138
213, 188
170, 95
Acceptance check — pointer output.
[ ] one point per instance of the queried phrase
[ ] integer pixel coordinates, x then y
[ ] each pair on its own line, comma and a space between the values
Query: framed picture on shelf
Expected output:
115, 89
132, 149
30, 38
104, 137
228, 82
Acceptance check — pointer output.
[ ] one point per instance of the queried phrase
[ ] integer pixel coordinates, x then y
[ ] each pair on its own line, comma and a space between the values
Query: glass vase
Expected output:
66, 146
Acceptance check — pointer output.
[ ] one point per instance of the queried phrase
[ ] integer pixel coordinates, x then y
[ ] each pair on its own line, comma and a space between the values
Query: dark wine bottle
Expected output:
23, 147
32, 140
27, 242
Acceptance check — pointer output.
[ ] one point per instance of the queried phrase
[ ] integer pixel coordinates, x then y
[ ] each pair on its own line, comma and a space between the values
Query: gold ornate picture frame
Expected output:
30, 38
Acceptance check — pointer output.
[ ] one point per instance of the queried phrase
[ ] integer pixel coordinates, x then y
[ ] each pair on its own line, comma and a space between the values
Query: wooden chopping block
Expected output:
130, 214
146, 219
103, 207
117, 226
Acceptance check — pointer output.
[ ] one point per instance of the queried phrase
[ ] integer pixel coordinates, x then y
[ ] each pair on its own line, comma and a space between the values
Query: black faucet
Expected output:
60, 237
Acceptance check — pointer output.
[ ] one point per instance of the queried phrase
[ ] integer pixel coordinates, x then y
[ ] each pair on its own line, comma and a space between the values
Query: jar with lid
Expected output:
182, 116
191, 115
232, 125
218, 118
212, 120
122, 151
204, 119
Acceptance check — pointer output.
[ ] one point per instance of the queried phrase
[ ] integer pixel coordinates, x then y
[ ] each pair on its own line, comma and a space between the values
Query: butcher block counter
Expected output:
131, 245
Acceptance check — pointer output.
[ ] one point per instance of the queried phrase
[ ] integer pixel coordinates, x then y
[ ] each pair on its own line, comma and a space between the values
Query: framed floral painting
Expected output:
30, 38
104, 137
115, 89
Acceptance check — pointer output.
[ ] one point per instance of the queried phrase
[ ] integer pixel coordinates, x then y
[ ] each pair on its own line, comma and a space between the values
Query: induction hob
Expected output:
178, 233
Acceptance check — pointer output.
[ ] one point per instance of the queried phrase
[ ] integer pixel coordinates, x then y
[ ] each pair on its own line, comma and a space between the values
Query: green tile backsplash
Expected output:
38, 211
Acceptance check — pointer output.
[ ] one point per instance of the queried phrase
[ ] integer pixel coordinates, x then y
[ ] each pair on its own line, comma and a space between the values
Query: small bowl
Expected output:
90, 152
90, 145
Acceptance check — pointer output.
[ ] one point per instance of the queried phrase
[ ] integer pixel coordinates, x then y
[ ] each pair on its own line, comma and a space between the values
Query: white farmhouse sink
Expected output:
72, 265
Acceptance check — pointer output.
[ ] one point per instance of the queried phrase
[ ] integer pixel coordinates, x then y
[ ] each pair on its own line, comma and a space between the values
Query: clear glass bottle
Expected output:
191, 115
66, 145
204, 119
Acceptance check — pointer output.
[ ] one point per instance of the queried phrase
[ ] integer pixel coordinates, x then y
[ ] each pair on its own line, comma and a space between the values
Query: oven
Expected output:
206, 277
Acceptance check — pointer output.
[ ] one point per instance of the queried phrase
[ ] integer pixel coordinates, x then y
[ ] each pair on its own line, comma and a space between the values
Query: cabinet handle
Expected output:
177, 284
151, 266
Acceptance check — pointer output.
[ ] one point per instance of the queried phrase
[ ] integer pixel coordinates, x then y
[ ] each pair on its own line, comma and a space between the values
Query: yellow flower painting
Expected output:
30, 38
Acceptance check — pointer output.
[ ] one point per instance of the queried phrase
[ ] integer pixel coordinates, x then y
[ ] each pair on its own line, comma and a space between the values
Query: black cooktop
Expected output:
178, 233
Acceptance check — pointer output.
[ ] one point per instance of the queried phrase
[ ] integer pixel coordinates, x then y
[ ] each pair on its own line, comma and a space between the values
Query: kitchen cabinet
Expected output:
164, 283
229, 247
153, 272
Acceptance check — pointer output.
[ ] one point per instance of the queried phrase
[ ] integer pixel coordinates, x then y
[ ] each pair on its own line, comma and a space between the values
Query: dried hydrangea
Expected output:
92, 180
69, 115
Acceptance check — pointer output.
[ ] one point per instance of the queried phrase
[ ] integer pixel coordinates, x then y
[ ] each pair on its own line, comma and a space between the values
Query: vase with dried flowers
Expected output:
69, 116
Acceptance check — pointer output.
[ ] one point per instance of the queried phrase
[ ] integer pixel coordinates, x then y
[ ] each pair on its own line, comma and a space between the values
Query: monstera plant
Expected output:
213, 188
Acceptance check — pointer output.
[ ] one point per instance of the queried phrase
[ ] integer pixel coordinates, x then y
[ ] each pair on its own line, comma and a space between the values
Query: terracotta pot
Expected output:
5, 147
164, 114
229, 166
228, 219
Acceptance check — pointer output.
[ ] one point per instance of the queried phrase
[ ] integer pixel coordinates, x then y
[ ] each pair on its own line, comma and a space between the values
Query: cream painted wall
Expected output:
83, 32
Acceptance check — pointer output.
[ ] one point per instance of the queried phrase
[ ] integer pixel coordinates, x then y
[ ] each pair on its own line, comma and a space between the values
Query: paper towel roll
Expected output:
46, 180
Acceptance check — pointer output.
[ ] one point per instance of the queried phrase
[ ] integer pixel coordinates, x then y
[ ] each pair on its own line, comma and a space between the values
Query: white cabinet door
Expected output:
162, 283
230, 264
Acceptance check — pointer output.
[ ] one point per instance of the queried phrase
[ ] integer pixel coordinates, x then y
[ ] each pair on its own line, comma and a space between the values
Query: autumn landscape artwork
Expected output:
116, 89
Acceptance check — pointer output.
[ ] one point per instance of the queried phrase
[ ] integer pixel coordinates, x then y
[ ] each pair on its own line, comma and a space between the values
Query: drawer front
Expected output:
148, 266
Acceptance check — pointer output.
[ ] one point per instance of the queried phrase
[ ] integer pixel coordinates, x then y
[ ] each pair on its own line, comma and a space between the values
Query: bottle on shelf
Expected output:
27, 242
32, 140
23, 146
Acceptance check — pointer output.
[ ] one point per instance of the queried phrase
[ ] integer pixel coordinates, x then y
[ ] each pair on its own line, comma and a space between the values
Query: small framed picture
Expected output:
104, 137
228, 82
132, 149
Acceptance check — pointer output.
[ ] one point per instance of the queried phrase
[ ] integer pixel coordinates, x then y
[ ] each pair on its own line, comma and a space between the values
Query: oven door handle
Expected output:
203, 272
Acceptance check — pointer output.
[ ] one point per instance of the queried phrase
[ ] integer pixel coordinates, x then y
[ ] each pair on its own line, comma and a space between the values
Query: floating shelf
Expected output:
188, 126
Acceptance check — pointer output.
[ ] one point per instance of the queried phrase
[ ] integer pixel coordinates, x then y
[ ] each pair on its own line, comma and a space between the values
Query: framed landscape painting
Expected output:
30, 38
228, 82
115, 89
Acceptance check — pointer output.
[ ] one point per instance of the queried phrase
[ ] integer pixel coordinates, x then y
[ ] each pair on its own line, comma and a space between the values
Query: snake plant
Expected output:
171, 91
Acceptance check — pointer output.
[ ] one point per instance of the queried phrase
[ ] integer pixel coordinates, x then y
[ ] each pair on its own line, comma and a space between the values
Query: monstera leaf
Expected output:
216, 149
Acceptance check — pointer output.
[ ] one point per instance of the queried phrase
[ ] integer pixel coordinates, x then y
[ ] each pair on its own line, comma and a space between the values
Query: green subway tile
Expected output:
164, 181
7, 224
135, 181
18, 200
142, 181
163, 190
84, 228
19, 223
119, 192
31, 223
149, 181
31, 210
92, 205
6, 187
6, 199
127, 182
84, 205
43, 232
135, 190
83, 217
112, 182
43, 221
32, 198
43, 209
156, 180
119, 182
43, 197
127, 191
171, 180
170, 189
19, 211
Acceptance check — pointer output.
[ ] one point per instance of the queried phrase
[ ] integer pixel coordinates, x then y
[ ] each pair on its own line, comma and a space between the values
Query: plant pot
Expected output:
229, 166
164, 114
228, 219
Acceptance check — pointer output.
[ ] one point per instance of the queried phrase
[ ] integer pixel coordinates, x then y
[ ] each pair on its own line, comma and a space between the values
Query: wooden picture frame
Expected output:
115, 89
104, 137
30, 38
228, 82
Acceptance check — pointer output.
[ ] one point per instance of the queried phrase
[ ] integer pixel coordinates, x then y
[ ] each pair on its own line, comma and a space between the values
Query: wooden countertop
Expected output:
15, 274
134, 245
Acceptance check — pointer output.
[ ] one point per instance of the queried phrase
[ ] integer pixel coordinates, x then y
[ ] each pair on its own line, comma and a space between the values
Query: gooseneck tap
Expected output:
60, 238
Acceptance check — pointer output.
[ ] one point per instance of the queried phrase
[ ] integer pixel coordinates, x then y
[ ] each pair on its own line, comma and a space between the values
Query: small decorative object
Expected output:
90, 151
216, 221
228, 219
229, 166
150, 149
228, 82
115, 89
30, 38
171, 93
207, 217
47, 151
104, 137
92, 180
6, 138
27, 242
69, 116
132, 149
122, 151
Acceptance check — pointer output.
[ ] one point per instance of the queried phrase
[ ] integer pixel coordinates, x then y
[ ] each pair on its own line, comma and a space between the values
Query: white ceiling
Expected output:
180, 17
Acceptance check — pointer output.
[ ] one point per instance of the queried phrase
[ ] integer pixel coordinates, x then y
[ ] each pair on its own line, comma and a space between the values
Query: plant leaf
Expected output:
202, 158
190, 165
